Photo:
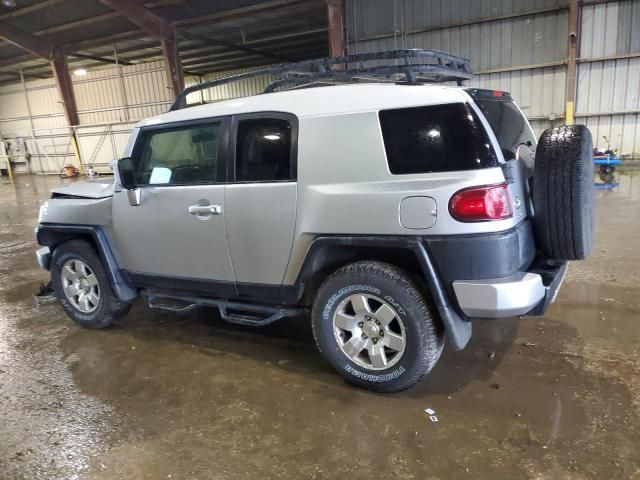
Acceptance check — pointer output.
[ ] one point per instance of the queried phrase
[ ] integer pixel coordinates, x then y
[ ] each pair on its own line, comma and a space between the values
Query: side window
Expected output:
439, 138
263, 150
180, 156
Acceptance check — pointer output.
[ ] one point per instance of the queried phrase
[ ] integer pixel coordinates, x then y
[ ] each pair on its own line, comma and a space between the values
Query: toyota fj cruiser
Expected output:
397, 212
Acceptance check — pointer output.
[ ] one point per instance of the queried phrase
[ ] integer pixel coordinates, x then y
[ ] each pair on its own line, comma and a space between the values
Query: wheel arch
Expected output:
329, 253
54, 235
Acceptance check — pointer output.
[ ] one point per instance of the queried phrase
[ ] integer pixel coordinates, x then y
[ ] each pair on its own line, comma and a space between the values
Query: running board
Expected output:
255, 315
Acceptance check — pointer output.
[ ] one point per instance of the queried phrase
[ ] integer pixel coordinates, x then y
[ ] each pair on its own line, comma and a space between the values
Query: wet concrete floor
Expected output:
189, 397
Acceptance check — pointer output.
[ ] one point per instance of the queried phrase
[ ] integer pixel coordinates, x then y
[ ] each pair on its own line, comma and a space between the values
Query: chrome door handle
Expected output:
205, 209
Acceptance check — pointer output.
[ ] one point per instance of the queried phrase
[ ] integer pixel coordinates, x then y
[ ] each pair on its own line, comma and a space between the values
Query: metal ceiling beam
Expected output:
99, 59
146, 19
27, 41
29, 9
335, 18
240, 12
108, 40
213, 57
26, 75
54, 54
207, 40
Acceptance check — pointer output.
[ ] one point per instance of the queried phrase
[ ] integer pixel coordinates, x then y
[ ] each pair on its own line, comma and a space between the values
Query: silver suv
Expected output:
397, 213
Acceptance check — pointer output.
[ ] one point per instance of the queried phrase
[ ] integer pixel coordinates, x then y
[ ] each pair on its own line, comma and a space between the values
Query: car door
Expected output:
261, 199
176, 236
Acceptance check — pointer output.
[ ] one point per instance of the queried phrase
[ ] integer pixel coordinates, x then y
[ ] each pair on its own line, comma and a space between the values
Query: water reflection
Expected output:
625, 181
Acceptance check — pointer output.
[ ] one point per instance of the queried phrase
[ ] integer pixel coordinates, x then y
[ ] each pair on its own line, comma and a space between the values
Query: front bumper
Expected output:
524, 293
44, 257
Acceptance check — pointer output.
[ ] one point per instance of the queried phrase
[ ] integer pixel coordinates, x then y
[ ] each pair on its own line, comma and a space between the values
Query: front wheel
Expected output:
82, 286
373, 325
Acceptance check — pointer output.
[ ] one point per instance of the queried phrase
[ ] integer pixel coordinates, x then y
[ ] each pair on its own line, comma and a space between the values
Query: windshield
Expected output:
508, 124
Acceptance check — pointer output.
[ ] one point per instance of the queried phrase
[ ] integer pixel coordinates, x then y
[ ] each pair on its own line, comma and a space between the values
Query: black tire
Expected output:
563, 193
423, 334
109, 308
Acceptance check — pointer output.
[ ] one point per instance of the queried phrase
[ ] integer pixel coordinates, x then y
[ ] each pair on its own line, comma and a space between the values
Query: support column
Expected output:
55, 54
31, 124
335, 17
173, 66
571, 62
137, 13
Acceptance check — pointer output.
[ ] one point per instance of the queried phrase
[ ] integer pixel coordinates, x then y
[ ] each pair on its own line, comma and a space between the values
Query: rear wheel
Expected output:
82, 286
374, 327
563, 193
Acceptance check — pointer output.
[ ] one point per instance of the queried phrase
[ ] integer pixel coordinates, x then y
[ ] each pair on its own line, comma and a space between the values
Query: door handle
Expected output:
205, 209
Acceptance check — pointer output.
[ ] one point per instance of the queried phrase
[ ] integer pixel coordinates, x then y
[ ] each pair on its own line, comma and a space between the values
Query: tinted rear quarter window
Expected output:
438, 138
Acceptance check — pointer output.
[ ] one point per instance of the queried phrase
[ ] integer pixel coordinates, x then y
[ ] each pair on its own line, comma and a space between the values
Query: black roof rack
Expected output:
411, 67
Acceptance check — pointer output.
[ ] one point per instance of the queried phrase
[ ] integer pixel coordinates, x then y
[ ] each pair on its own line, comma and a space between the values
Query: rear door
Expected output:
177, 234
517, 143
261, 198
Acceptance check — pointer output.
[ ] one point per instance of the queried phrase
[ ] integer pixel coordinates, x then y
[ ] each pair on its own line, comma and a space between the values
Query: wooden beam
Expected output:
335, 18
137, 13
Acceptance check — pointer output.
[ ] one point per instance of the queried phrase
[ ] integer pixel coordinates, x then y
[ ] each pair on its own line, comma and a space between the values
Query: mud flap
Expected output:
458, 331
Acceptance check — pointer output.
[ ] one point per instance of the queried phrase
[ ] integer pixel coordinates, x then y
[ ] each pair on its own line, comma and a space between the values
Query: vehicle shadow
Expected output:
289, 345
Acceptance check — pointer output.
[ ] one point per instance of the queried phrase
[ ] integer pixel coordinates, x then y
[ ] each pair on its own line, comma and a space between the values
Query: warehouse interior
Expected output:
169, 395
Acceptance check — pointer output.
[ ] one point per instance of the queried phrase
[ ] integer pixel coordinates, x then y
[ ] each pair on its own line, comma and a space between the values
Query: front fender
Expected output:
51, 235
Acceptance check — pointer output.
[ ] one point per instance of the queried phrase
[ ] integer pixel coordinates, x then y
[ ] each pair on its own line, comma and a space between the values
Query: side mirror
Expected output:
126, 177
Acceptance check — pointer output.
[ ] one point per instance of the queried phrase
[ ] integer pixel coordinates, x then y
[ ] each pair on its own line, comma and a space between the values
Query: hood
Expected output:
90, 189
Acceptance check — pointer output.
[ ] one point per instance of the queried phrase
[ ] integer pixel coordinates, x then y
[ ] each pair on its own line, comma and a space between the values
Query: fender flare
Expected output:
51, 235
457, 326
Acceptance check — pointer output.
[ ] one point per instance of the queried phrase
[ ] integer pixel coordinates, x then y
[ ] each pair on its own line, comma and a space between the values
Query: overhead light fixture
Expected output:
80, 72
272, 136
8, 3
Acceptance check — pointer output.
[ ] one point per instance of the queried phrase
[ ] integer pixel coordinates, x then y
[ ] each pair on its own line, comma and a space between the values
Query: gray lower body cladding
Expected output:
442, 260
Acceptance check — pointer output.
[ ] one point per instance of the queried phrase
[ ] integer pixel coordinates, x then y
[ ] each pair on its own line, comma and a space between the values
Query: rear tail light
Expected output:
481, 204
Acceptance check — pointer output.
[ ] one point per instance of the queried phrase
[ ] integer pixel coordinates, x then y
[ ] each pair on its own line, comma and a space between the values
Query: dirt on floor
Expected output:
190, 397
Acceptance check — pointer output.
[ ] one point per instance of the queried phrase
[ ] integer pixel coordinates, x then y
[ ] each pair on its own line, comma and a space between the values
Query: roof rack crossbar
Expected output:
442, 67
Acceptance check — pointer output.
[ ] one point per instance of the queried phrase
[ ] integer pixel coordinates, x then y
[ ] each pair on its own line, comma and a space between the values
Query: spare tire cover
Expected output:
563, 193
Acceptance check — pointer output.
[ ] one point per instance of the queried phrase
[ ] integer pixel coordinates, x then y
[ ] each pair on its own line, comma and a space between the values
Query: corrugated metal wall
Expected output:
609, 90
514, 45
110, 102
242, 88
521, 46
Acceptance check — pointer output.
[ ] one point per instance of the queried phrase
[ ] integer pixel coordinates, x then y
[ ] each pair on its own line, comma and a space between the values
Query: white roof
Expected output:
331, 100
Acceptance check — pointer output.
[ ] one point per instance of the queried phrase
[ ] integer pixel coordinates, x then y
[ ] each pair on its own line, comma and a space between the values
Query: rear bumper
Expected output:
524, 293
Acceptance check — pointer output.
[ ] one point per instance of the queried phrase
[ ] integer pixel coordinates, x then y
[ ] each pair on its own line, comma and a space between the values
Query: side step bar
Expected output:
239, 313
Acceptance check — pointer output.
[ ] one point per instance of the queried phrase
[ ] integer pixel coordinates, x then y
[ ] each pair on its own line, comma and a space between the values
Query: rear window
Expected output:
507, 122
439, 138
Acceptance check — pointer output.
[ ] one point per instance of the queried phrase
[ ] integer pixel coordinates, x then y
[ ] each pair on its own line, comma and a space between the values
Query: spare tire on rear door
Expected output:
563, 193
